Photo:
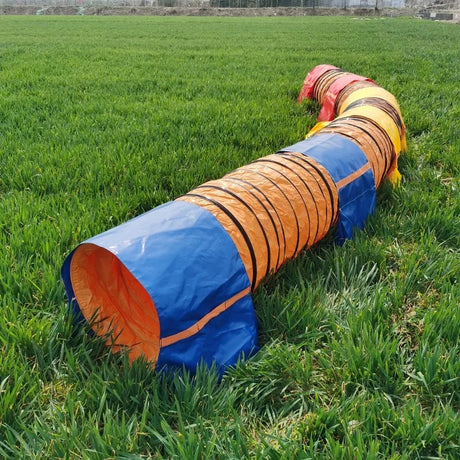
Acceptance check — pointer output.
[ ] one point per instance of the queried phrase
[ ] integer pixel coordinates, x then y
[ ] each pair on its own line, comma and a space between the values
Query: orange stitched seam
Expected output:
359, 172
195, 328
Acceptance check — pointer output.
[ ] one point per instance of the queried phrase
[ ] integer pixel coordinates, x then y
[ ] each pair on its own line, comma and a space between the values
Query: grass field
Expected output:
102, 119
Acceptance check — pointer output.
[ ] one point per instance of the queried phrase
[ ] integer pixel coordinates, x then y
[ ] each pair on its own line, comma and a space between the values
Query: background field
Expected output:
102, 119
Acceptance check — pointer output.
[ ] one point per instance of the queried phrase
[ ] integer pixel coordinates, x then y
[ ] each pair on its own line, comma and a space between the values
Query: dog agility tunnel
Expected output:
174, 285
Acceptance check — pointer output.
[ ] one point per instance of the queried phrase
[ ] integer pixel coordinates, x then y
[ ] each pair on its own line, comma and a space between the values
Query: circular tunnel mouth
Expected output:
114, 302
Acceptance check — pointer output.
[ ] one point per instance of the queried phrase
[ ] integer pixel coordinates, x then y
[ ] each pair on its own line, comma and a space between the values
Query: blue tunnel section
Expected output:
189, 265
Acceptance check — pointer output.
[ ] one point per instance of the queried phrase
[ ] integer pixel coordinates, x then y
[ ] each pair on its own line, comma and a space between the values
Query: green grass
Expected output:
102, 119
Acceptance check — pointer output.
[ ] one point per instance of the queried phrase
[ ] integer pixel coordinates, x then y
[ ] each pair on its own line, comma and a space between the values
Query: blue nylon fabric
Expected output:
226, 338
358, 200
342, 157
189, 265
73, 304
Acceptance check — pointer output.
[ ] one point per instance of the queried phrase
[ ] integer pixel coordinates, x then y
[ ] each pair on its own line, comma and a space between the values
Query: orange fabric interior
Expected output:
114, 302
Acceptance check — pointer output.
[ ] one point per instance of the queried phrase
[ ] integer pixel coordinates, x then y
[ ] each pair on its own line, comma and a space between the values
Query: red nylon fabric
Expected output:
311, 79
327, 112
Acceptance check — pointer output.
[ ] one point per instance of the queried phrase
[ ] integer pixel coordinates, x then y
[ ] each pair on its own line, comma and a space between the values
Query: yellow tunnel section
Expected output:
364, 112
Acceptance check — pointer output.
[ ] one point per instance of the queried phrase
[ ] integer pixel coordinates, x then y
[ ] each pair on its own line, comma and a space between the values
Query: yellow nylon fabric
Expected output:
373, 91
379, 117
319, 126
363, 133
381, 93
